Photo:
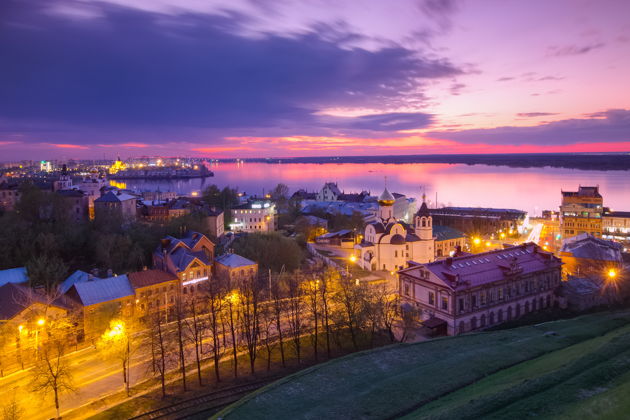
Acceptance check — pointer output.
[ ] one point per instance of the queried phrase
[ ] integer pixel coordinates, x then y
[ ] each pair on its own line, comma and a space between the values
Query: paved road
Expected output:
93, 377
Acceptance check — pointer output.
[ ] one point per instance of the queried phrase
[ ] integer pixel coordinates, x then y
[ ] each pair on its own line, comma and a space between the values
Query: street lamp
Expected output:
476, 241
612, 274
40, 323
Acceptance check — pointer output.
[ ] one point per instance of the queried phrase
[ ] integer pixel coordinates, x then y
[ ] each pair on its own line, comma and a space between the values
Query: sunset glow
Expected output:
349, 79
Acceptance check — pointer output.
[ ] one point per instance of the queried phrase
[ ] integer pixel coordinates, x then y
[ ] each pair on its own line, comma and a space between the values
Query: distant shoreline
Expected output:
597, 162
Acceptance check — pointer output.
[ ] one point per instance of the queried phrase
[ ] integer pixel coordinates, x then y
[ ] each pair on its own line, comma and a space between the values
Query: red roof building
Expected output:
477, 291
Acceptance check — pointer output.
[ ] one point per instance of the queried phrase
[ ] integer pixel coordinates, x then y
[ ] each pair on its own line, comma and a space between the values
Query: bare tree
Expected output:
115, 343
278, 311
409, 322
267, 329
296, 322
231, 319
11, 409
215, 324
195, 327
311, 295
351, 300
324, 293
180, 319
249, 317
52, 371
161, 347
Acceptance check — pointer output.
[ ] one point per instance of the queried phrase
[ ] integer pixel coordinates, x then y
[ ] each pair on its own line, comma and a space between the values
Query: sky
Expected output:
280, 78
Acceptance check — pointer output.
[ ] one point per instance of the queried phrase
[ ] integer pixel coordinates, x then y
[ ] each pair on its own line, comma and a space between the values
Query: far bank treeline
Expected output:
40, 235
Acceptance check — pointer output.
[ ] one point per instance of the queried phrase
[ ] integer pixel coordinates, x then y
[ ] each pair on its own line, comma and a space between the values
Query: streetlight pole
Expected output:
40, 323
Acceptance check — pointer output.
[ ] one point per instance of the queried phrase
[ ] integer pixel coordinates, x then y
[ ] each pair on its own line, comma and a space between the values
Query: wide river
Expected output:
529, 189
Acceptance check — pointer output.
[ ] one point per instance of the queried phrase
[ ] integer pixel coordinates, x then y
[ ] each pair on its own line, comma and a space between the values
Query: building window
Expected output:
431, 298
444, 303
406, 289
461, 305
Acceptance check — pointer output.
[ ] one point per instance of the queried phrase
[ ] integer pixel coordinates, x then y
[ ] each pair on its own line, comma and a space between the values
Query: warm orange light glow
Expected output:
353, 258
612, 274
41, 321
476, 241
233, 297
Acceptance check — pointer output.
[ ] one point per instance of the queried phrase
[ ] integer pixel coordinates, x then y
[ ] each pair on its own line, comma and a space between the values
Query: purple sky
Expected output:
245, 78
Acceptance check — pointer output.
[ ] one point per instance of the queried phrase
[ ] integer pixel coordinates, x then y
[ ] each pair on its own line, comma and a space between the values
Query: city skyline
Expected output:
282, 79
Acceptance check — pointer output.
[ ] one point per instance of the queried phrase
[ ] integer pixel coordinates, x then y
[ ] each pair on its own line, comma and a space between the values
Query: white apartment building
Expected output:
255, 216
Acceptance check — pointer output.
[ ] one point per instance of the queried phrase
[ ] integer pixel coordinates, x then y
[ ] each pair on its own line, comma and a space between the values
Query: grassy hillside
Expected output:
560, 368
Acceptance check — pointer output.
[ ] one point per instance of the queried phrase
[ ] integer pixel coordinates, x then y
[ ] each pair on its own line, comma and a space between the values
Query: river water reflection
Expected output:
529, 189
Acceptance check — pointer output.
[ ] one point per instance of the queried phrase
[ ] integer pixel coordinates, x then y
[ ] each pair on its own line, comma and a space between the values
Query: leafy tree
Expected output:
47, 271
271, 251
224, 199
31, 203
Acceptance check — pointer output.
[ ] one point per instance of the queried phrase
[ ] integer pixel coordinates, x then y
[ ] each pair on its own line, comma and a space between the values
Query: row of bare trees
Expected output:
289, 318
279, 319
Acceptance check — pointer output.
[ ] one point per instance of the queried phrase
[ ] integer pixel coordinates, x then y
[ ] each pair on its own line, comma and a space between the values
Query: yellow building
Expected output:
117, 166
581, 212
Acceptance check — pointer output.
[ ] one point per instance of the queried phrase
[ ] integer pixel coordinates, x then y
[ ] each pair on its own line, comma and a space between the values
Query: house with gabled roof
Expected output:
234, 268
118, 203
155, 290
97, 301
190, 259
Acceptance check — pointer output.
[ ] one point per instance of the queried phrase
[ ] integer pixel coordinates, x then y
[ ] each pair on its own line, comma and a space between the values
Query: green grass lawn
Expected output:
546, 370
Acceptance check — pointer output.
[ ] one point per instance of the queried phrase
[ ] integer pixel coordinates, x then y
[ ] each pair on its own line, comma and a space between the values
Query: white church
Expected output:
389, 243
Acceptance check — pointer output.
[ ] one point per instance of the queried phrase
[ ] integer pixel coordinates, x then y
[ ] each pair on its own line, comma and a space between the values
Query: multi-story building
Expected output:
65, 180
476, 291
447, 240
581, 212
388, 243
254, 216
587, 255
116, 204
76, 206
190, 259
329, 192
214, 220
25, 317
9, 195
165, 211
616, 226
234, 269
479, 221
155, 290
91, 185
100, 300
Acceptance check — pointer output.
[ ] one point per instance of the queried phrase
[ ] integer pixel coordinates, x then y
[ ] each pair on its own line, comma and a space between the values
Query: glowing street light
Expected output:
612, 274
476, 241
488, 244
353, 259
40, 322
